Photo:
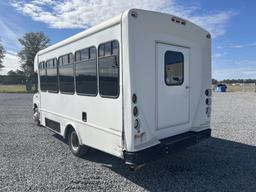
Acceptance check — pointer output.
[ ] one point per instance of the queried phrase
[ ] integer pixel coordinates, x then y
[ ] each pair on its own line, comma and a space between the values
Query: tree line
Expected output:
231, 81
31, 43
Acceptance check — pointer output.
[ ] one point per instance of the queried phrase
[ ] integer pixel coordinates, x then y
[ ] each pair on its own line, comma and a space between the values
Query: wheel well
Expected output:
68, 129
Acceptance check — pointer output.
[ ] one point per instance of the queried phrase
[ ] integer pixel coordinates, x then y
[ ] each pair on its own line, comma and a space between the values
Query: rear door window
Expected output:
174, 68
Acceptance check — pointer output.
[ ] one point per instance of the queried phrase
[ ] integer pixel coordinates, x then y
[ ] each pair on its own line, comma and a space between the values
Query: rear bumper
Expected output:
166, 147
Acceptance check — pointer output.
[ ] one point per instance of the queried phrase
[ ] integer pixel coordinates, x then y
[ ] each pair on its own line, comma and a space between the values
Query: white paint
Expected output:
142, 41
173, 100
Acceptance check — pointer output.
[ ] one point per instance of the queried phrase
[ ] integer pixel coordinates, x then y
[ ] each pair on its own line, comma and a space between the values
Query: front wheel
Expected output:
76, 148
36, 116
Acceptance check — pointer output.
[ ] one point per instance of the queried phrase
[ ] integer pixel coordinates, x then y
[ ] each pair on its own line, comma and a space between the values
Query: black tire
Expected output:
36, 116
76, 148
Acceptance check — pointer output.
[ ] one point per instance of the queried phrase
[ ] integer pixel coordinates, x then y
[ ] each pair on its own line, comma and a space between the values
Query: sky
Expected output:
231, 22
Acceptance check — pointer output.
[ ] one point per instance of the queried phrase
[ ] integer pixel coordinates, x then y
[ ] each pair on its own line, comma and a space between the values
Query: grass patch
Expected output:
234, 88
13, 89
247, 87
241, 88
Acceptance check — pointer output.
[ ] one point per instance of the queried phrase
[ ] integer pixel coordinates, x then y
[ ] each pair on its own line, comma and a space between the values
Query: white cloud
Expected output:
248, 72
239, 46
215, 23
12, 52
219, 55
233, 45
11, 62
9, 36
235, 69
82, 14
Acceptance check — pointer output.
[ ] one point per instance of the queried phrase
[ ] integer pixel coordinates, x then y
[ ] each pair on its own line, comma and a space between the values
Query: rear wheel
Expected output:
76, 148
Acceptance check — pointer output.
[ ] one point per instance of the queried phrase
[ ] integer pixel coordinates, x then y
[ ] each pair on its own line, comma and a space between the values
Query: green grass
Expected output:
13, 89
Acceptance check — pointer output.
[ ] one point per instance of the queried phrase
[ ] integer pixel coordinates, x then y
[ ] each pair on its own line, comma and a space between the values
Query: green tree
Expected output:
214, 81
2, 51
31, 43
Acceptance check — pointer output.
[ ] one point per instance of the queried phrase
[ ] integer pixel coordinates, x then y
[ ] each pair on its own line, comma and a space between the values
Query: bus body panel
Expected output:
146, 32
164, 111
104, 115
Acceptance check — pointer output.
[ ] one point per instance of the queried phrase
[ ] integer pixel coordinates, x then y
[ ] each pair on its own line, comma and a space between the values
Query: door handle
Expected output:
187, 87
84, 116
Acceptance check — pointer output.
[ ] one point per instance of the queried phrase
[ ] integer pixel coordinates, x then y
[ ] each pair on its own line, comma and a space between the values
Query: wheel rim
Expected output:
74, 141
36, 115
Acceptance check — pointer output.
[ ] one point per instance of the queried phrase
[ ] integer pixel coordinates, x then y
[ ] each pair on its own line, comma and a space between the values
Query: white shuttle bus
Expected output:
137, 86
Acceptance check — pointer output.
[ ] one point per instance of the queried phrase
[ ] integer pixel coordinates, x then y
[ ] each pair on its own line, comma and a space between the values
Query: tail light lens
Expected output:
208, 101
134, 98
135, 111
137, 124
208, 92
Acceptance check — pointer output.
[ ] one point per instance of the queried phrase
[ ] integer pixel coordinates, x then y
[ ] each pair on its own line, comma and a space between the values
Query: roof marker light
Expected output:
134, 14
178, 20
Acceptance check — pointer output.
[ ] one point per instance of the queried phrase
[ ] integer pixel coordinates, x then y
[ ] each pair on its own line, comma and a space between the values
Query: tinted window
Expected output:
84, 54
174, 68
52, 75
93, 53
102, 50
78, 56
71, 58
86, 72
66, 73
43, 76
64, 60
114, 47
109, 69
108, 49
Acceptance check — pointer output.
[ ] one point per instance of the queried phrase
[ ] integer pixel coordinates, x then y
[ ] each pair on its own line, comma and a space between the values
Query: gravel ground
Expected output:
34, 159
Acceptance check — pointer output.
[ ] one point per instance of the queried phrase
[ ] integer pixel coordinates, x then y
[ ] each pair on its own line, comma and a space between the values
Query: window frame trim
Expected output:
63, 92
45, 91
97, 80
58, 89
183, 73
118, 94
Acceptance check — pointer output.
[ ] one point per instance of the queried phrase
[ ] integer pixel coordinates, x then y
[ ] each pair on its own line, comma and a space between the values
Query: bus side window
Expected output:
78, 56
66, 74
86, 72
52, 76
43, 76
109, 69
